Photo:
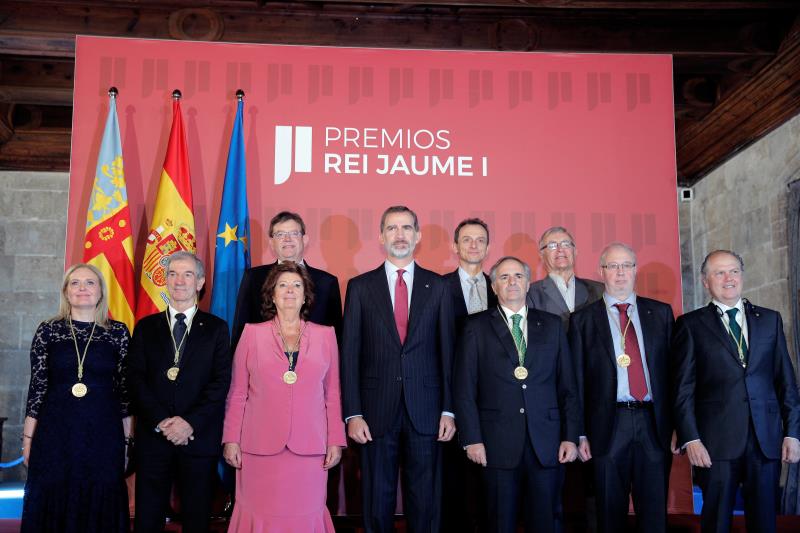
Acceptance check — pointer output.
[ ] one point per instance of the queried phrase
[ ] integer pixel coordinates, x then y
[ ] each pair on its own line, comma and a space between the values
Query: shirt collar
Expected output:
465, 277
302, 262
508, 312
559, 281
611, 301
189, 313
391, 269
739, 305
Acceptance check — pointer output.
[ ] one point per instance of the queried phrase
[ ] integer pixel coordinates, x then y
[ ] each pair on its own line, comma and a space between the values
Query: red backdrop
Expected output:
523, 140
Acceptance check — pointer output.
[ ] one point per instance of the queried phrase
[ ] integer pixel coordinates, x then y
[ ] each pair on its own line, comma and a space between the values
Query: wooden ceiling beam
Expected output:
683, 33
757, 107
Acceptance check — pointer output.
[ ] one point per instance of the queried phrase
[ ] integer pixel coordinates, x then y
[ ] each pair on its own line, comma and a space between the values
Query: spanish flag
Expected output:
108, 244
172, 226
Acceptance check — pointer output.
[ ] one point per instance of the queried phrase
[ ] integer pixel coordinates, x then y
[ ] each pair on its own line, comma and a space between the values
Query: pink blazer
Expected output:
263, 414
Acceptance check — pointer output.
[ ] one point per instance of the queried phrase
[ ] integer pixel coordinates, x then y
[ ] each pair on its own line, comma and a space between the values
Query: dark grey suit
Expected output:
545, 296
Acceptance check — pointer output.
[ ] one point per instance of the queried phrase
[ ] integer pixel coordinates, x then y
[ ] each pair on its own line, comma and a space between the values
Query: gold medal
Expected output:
520, 373
172, 373
79, 390
624, 360
289, 377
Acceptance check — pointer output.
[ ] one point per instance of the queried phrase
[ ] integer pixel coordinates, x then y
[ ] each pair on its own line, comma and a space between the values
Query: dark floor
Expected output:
677, 524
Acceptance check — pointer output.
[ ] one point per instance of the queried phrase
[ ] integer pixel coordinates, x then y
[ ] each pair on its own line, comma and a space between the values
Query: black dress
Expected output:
75, 475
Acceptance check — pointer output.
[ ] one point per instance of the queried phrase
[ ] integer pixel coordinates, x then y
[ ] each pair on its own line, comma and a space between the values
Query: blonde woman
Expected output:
77, 423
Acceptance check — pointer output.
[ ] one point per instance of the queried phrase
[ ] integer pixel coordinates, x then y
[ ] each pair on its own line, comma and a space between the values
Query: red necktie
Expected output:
636, 381
401, 305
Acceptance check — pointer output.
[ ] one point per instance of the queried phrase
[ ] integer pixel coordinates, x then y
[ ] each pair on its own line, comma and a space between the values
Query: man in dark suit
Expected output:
470, 287
472, 292
620, 345
288, 239
736, 402
397, 346
179, 370
561, 292
516, 403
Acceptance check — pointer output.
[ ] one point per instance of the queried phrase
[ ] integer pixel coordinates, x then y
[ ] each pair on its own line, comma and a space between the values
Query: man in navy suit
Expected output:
516, 403
472, 293
620, 345
179, 370
397, 345
561, 292
736, 401
288, 239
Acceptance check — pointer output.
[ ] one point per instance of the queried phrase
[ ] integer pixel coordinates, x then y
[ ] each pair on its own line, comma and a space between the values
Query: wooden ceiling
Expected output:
736, 62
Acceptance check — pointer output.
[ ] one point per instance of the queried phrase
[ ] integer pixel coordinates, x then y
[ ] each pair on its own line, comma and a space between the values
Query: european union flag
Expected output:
232, 254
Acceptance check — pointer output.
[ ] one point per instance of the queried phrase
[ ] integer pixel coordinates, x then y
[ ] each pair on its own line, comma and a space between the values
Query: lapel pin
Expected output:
538, 323
427, 286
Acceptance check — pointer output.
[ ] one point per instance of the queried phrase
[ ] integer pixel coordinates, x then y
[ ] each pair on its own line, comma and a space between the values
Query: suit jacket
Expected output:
327, 309
544, 295
715, 398
197, 395
596, 369
378, 371
264, 414
489, 399
459, 305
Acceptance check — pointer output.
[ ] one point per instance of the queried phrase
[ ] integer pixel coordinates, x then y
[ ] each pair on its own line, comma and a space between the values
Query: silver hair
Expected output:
615, 244
525, 267
554, 229
715, 252
199, 269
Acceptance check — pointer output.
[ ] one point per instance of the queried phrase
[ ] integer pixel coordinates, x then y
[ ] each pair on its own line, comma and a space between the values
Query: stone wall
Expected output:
741, 206
33, 219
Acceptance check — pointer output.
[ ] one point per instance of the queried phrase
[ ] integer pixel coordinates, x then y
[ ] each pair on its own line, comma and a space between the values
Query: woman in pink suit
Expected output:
283, 420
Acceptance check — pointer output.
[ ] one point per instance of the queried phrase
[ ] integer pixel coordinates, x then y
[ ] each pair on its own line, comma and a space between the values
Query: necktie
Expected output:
475, 303
737, 336
519, 338
401, 305
636, 382
179, 330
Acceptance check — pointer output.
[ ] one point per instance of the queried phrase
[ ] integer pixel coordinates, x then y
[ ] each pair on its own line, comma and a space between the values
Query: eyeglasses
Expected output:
619, 266
553, 245
280, 235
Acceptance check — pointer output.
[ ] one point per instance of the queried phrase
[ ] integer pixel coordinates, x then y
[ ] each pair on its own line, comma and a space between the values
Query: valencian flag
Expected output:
232, 254
172, 226
108, 244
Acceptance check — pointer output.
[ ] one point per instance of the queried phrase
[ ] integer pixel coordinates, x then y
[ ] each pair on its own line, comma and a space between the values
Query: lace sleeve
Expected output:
38, 385
121, 340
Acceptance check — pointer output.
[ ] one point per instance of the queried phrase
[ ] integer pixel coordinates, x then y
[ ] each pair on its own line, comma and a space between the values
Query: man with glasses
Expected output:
560, 292
737, 411
620, 346
288, 239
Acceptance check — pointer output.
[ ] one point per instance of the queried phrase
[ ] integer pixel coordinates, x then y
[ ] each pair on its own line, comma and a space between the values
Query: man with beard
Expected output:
397, 349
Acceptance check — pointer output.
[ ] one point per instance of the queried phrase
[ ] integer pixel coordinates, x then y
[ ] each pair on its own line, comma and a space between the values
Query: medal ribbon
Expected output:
81, 358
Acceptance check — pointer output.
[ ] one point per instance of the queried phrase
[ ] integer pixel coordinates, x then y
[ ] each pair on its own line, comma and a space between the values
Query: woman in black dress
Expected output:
77, 422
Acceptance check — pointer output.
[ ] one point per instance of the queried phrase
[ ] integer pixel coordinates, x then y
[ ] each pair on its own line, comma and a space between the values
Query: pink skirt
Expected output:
282, 493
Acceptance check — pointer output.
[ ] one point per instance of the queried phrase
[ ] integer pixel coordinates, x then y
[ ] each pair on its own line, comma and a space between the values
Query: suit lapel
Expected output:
648, 322
455, 286
713, 322
504, 335
491, 298
420, 293
383, 300
552, 292
195, 337
604, 330
753, 330
533, 333
581, 293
